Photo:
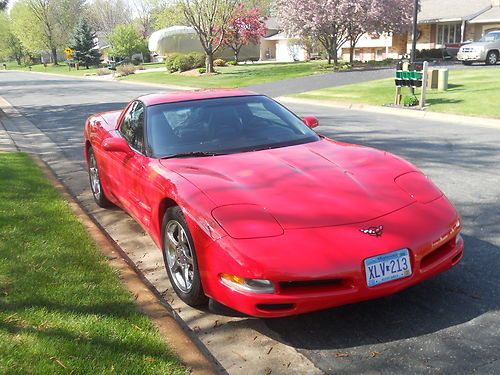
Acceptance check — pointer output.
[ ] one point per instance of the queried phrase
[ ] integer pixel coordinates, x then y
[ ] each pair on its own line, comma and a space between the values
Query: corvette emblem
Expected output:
374, 231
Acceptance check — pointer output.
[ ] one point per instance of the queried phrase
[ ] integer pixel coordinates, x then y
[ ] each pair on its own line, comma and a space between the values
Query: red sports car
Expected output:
252, 208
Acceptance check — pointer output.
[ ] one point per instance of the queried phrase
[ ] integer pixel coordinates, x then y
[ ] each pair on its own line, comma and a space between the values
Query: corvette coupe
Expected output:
254, 209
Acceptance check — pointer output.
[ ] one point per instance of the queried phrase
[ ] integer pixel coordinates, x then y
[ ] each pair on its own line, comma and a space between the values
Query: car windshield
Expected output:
490, 37
222, 126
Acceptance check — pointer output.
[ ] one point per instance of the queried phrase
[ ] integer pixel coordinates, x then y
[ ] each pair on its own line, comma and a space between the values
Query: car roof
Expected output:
181, 96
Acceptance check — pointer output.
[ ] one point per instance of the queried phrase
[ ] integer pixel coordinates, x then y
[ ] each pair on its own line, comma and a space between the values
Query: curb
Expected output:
435, 116
145, 297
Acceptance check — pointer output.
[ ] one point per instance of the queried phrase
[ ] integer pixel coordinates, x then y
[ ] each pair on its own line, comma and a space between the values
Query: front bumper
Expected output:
296, 261
471, 56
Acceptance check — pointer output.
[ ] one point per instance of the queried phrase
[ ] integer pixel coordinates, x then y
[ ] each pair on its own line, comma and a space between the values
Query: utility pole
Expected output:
414, 37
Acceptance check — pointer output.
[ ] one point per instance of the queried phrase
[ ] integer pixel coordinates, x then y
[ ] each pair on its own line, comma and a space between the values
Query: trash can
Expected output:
443, 80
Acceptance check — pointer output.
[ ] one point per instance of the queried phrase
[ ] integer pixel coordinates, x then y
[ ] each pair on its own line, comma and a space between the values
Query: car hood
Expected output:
316, 184
477, 44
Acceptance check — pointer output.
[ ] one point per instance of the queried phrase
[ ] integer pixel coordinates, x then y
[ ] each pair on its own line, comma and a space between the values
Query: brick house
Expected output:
441, 24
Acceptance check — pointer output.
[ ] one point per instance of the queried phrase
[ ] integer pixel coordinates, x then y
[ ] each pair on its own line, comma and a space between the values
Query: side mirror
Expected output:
116, 145
310, 121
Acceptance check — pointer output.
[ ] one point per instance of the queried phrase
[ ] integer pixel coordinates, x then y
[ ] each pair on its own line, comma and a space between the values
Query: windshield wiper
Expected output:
193, 154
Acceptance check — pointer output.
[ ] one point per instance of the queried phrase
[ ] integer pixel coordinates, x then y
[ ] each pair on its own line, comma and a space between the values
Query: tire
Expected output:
492, 58
468, 63
95, 181
180, 260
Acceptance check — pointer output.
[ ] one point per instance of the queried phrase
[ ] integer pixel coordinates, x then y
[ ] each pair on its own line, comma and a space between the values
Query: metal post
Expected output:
424, 85
414, 33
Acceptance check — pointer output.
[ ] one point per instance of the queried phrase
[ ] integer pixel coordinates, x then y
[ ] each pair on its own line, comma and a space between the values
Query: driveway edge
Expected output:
434, 116
146, 299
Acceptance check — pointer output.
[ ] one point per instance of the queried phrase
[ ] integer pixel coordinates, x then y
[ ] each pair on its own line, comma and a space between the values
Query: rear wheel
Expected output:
95, 181
492, 58
180, 259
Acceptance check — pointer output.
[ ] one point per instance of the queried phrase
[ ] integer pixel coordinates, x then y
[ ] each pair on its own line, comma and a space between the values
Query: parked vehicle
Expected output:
487, 49
254, 209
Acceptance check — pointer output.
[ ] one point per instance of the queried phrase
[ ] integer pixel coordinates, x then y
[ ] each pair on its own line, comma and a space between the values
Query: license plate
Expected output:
387, 267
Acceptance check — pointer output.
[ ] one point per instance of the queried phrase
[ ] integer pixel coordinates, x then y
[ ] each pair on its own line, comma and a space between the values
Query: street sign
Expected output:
68, 52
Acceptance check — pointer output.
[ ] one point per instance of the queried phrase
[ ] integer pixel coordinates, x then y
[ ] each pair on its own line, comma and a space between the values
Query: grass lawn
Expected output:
234, 76
62, 68
471, 92
62, 308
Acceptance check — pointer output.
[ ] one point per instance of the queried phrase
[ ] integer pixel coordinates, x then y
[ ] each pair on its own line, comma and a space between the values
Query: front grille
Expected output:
310, 283
468, 50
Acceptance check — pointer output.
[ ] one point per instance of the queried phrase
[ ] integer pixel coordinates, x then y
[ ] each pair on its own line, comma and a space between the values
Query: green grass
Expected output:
62, 68
234, 76
62, 308
471, 92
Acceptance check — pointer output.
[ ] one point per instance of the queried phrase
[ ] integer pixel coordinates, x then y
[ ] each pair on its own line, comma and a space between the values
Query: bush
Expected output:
198, 59
170, 62
435, 53
103, 72
125, 70
410, 100
219, 62
179, 62
202, 70
231, 62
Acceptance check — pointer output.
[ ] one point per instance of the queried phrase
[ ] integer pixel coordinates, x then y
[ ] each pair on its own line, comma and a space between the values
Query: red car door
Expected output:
129, 171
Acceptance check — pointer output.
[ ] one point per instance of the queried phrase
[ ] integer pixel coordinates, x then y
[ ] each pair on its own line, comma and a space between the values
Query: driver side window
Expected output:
132, 126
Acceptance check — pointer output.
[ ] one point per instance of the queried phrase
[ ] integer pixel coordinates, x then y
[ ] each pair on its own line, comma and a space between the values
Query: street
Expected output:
447, 325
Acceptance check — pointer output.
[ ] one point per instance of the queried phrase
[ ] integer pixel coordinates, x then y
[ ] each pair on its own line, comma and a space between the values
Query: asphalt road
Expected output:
447, 325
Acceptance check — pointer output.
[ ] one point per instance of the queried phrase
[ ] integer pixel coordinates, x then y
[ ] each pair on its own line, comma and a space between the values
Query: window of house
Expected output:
449, 33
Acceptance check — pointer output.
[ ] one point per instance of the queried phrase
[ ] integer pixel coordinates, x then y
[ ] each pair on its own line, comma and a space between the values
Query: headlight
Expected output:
247, 285
418, 186
247, 221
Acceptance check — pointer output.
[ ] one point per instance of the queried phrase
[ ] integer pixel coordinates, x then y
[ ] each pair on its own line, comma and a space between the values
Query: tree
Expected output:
26, 27
169, 15
125, 40
43, 10
10, 45
145, 11
83, 44
245, 26
320, 19
105, 15
3, 4
365, 16
209, 18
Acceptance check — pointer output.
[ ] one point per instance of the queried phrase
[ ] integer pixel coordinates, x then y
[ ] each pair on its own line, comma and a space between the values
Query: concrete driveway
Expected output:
447, 325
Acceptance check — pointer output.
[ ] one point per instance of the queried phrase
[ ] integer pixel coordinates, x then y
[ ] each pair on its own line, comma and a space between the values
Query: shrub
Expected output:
435, 53
179, 62
103, 72
170, 62
198, 59
202, 70
410, 100
219, 62
125, 70
231, 62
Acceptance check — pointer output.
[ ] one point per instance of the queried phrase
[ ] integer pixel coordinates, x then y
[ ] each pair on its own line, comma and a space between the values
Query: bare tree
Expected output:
105, 15
209, 18
43, 10
145, 10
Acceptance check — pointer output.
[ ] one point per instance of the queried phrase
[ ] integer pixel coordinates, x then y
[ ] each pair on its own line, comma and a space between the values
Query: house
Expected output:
277, 46
441, 24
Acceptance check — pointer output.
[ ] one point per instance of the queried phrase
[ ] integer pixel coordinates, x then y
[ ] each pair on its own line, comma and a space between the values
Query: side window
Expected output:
132, 126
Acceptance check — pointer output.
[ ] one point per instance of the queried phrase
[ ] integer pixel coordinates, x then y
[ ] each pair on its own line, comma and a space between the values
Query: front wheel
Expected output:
492, 58
180, 259
95, 181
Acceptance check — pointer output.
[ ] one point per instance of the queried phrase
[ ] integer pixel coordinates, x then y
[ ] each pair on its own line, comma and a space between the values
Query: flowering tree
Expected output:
364, 16
320, 19
209, 18
246, 26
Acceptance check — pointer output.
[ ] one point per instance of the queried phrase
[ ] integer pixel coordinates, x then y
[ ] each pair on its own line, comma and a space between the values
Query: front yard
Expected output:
474, 91
62, 308
234, 76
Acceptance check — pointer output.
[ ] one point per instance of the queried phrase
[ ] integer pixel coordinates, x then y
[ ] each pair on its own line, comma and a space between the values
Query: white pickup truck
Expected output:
487, 49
